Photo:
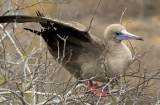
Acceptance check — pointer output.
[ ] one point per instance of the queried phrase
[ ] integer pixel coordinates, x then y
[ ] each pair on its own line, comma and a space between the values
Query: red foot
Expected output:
97, 90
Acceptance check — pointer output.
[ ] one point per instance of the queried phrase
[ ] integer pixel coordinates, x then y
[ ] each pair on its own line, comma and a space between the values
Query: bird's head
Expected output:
117, 33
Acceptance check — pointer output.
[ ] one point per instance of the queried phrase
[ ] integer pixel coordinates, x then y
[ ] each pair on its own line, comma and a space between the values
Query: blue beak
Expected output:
124, 35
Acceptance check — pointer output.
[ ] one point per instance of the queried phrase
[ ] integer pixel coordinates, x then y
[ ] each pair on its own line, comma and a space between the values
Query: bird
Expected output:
84, 55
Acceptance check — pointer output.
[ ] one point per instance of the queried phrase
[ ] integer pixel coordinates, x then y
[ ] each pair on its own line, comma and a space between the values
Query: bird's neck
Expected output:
117, 49
119, 56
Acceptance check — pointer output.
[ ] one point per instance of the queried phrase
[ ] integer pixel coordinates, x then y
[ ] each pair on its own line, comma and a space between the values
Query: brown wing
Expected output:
77, 49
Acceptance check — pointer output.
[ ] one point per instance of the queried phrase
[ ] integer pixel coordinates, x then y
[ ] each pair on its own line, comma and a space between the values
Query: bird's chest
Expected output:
118, 62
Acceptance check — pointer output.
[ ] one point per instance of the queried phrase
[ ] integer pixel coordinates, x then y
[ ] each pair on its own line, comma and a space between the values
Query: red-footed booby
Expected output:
86, 57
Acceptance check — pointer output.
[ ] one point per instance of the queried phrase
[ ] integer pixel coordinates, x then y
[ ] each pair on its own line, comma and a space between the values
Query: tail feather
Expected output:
34, 31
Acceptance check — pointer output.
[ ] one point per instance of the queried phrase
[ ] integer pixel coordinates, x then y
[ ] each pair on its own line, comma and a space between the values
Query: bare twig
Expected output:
60, 10
122, 15
90, 24
128, 23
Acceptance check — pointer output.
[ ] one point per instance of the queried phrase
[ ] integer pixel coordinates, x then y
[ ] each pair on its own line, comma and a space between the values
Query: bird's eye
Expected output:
118, 33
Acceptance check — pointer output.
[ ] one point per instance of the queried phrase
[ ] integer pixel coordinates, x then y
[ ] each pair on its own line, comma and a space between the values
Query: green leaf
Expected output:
24, 57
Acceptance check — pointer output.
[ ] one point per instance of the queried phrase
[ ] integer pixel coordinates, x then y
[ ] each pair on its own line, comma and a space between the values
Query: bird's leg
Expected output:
97, 90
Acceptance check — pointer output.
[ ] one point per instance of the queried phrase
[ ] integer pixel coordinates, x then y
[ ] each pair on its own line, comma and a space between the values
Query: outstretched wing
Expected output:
45, 22
69, 41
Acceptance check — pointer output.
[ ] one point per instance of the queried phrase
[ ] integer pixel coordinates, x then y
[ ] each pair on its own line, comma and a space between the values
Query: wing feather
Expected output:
80, 44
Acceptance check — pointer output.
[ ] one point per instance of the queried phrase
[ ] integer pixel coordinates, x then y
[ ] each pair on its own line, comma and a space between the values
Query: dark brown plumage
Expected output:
53, 31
